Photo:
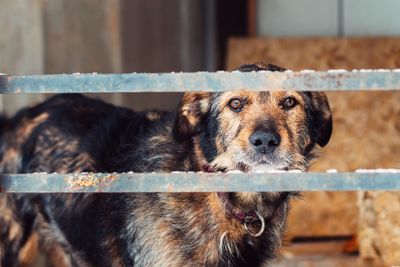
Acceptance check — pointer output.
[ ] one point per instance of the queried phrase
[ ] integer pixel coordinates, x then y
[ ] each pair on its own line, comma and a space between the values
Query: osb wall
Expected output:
366, 125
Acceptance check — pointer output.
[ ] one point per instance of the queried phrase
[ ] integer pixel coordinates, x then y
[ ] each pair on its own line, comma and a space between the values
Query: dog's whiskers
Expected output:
226, 245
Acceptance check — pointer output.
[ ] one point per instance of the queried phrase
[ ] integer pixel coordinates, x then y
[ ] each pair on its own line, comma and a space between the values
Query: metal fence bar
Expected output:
201, 81
199, 182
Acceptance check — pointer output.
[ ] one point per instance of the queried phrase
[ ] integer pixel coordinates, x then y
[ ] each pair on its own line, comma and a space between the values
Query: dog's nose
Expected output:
265, 142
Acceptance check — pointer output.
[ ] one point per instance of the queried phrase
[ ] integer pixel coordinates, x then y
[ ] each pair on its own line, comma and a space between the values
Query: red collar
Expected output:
242, 216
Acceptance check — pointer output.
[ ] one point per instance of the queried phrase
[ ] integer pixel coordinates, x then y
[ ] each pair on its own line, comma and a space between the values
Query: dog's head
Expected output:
250, 131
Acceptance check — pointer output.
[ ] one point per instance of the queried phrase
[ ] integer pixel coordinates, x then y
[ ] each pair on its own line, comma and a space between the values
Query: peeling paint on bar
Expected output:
202, 81
199, 182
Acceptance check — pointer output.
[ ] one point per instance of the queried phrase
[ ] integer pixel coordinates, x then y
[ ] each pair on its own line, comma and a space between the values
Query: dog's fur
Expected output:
73, 133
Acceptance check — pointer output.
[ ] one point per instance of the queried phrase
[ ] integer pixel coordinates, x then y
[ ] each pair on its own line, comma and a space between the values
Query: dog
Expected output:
238, 130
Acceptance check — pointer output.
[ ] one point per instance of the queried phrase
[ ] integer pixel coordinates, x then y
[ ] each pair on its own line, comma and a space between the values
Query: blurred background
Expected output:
119, 36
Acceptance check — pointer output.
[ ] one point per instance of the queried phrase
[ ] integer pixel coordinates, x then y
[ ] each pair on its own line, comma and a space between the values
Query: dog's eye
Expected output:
289, 102
235, 104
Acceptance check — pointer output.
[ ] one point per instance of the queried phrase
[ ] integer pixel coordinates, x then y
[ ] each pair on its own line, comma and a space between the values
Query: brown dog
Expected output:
239, 130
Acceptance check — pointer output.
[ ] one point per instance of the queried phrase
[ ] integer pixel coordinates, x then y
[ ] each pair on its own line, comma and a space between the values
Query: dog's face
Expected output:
251, 131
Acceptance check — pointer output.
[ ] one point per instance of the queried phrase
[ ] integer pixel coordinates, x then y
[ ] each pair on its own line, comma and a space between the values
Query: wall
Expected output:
328, 18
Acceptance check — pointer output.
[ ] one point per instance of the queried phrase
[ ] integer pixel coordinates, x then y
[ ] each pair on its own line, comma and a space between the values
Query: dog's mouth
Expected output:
250, 162
261, 166
247, 166
255, 162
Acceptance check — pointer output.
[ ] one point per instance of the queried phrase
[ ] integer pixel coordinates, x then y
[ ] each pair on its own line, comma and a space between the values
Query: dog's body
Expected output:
240, 130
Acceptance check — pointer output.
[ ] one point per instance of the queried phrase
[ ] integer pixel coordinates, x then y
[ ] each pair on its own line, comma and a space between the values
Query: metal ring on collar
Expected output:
261, 229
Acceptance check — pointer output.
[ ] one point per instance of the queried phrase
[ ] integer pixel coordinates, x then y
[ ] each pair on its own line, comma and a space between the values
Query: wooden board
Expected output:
379, 227
21, 44
312, 254
63, 36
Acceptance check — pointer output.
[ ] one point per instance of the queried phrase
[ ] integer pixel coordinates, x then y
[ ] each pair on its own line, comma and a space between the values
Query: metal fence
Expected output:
335, 80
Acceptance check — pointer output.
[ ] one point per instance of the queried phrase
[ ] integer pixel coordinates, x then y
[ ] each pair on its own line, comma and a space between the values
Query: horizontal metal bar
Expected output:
202, 81
199, 182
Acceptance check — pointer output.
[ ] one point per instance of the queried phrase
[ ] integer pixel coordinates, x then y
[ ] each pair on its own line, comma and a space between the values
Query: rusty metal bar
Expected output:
202, 81
199, 182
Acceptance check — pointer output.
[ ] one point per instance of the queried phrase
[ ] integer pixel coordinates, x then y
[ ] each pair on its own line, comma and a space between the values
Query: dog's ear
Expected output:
191, 113
322, 118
